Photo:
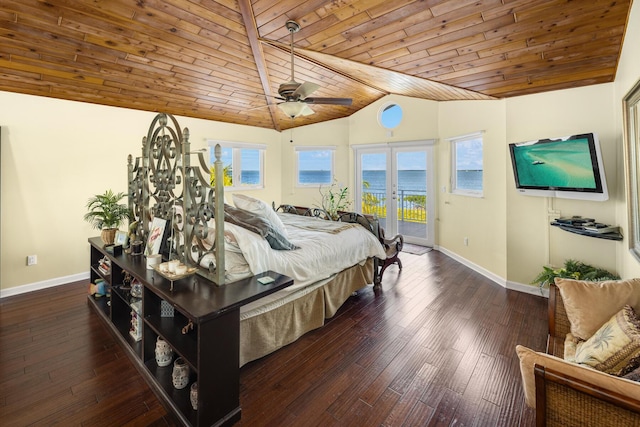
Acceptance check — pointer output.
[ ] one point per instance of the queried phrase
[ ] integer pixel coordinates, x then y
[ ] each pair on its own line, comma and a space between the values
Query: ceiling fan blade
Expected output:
331, 101
306, 111
304, 90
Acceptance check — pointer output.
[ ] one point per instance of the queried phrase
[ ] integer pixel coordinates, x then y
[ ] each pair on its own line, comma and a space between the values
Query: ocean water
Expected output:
415, 181
411, 181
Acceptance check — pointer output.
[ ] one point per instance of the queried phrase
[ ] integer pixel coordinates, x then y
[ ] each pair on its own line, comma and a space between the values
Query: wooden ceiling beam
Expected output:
258, 55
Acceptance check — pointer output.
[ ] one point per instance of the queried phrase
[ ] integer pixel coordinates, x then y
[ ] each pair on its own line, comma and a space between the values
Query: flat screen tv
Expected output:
570, 167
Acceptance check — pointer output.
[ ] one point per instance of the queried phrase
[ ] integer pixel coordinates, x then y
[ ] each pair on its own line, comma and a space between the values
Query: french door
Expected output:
396, 183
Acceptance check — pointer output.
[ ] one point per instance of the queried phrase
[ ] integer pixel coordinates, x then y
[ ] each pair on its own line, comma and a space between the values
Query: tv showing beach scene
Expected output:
559, 164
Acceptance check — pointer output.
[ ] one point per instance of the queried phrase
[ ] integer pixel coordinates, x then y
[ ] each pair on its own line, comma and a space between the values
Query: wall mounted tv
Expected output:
570, 167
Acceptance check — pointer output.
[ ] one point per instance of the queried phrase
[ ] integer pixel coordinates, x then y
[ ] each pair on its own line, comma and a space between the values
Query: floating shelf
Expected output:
579, 230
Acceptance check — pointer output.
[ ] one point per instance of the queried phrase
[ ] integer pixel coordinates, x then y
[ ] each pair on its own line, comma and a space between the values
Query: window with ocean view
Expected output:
467, 160
314, 165
243, 164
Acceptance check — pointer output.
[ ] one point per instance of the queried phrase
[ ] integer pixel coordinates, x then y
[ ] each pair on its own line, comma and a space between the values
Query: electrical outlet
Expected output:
466, 241
32, 259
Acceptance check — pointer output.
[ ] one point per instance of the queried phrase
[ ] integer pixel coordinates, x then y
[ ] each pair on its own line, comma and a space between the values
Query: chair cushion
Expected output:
613, 345
529, 358
590, 304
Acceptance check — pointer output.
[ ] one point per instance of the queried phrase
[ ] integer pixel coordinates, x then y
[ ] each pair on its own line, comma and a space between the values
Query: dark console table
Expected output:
210, 315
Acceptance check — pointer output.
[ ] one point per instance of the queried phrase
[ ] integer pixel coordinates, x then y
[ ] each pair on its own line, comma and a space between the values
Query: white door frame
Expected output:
390, 149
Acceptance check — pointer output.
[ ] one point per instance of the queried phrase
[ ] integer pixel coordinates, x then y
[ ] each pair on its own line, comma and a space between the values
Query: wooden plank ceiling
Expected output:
224, 60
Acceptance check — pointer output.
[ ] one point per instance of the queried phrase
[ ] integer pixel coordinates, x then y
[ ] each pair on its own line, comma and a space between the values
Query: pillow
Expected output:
529, 358
613, 345
633, 375
258, 225
261, 209
632, 370
209, 237
590, 304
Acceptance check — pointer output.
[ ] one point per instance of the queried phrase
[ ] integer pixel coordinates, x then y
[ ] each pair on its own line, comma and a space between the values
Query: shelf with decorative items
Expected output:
189, 332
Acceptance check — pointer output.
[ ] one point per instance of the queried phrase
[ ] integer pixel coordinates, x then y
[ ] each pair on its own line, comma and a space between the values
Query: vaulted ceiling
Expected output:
224, 60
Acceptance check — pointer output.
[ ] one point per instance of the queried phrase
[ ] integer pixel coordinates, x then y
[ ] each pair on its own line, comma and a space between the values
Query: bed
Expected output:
328, 260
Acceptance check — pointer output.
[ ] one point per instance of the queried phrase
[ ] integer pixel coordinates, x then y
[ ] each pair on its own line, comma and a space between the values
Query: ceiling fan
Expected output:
295, 96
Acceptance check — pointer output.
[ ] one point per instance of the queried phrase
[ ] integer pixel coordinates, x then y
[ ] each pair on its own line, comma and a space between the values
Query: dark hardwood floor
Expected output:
436, 347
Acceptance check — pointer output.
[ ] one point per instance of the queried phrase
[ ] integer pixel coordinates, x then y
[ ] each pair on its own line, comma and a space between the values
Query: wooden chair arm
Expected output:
397, 241
563, 400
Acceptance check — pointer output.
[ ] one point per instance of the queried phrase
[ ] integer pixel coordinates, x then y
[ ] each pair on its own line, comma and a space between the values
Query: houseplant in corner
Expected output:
572, 270
107, 214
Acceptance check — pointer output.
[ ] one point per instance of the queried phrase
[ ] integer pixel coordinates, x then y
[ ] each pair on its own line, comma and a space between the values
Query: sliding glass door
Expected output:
395, 183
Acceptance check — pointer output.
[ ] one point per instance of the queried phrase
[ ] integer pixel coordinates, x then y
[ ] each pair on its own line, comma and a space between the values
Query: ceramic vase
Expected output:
193, 395
164, 353
180, 375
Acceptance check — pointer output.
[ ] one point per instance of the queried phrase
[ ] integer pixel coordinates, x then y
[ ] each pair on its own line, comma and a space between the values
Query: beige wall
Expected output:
628, 74
334, 133
531, 241
419, 122
480, 219
55, 155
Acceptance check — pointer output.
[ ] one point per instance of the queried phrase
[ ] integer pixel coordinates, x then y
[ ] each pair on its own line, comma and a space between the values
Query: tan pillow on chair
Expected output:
590, 304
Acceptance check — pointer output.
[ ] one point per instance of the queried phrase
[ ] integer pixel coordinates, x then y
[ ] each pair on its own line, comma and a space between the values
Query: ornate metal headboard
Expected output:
164, 184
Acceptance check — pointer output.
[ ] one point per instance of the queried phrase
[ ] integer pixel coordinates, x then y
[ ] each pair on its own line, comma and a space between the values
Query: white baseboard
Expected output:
529, 289
520, 287
17, 290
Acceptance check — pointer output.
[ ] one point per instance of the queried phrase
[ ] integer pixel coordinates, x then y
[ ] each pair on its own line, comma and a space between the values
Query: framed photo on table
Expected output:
122, 238
156, 236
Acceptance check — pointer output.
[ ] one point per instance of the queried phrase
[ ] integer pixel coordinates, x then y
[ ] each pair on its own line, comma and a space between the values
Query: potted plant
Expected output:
572, 270
107, 214
334, 199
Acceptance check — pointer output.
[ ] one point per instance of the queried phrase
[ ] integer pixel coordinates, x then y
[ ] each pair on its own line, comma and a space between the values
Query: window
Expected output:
631, 103
314, 165
390, 116
466, 167
243, 164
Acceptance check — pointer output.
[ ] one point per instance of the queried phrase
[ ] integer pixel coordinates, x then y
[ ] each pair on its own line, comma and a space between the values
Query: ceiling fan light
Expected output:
292, 109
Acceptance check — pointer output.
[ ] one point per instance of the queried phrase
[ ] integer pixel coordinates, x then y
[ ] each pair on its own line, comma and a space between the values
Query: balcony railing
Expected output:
411, 204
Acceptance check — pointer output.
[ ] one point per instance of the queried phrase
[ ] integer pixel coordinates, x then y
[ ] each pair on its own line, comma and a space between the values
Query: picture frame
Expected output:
631, 137
122, 238
156, 237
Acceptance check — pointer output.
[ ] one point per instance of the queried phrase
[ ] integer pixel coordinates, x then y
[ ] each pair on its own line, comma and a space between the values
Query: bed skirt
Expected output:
278, 321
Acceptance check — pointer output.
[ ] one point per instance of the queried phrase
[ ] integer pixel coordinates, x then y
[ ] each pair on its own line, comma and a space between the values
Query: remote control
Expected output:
266, 280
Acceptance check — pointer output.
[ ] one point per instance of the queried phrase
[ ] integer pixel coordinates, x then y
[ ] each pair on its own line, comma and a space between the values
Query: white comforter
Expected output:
321, 253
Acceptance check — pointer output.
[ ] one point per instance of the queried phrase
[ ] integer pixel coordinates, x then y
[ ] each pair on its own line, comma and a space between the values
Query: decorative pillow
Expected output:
529, 358
633, 375
632, 368
590, 304
613, 345
262, 209
258, 225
